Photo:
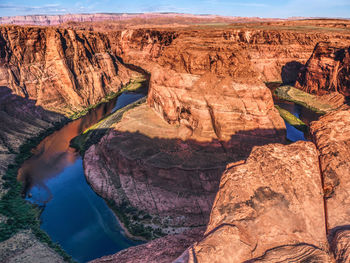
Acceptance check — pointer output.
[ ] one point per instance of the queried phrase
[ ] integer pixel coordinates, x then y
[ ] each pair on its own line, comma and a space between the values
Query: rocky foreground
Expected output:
200, 150
272, 203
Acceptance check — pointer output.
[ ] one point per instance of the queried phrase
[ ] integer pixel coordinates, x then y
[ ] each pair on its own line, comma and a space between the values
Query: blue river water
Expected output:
307, 116
73, 214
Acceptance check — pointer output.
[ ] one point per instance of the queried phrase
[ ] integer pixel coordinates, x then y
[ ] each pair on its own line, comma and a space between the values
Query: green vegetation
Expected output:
20, 214
292, 120
134, 220
93, 134
302, 98
135, 83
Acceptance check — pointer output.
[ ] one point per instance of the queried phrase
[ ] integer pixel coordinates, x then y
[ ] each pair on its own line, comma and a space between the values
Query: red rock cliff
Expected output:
327, 70
63, 70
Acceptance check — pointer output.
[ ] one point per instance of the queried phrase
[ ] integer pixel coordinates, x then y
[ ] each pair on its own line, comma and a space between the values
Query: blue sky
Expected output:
250, 8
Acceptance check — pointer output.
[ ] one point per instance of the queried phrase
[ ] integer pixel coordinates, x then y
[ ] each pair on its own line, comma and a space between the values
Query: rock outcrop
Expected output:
215, 108
62, 70
242, 53
161, 250
327, 70
269, 209
24, 247
332, 137
172, 171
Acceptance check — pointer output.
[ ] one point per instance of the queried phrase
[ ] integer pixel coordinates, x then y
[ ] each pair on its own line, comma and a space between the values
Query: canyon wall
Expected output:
244, 54
161, 164
327, 70
62, 70
268, 209
207, 87
46, 75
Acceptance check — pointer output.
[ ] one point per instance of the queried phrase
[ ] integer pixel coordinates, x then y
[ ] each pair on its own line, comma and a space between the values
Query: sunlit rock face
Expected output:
166, 157
269, 209
327, 70
62, 70
332, 137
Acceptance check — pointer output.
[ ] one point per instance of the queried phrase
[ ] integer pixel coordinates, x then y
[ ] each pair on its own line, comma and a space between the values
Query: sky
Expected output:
246, 8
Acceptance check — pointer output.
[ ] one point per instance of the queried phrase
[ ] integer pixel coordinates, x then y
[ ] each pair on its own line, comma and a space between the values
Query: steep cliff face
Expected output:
240, 53
171, 169
332, 137
269, 209
327, 70
214, 107
63, 70
46, 74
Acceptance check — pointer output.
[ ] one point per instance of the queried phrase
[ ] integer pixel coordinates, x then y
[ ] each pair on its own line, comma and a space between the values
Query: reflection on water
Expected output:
306, 115
53, 154
74, 215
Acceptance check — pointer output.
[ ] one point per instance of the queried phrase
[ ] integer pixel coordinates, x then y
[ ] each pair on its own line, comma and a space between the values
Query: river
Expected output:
73, 214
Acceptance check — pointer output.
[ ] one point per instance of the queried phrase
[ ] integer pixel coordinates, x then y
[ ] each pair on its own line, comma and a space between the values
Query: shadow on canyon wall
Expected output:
171, 177
290, 72
21, 119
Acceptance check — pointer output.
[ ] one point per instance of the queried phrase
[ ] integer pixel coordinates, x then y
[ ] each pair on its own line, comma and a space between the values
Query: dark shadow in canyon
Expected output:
184, 176
21, 119
290, 72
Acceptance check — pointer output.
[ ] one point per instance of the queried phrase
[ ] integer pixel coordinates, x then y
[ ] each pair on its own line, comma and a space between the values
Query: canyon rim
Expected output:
202, 138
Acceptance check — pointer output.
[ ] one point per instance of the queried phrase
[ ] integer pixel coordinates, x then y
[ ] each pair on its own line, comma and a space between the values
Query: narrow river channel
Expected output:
73, 214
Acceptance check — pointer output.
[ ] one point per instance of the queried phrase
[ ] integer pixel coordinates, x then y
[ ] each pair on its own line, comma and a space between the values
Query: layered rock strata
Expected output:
47, 74
327, 70
171, 169
264, 54
24, 247
269, 209
332, 137
63, 70
161, 250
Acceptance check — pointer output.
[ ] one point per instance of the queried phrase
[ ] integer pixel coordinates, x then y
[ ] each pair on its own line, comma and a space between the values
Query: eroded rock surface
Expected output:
213, 107
24, 247
242, 53
161, 250
327, 70
332, 137
63, 70
172, 171
269, 208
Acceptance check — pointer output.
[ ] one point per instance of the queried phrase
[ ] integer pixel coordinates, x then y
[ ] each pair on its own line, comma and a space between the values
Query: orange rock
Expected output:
327, 70
270, 209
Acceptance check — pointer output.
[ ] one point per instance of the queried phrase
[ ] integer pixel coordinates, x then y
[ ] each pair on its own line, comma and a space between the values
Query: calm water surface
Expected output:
306, 115
73, 215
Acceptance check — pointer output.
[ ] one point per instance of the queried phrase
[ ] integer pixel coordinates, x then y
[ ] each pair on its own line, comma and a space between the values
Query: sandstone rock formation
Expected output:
332, 137
327, 70
269, 208
63, 70
24, 247
242, 53
161, 165
171, 171
161, 250
20, 120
